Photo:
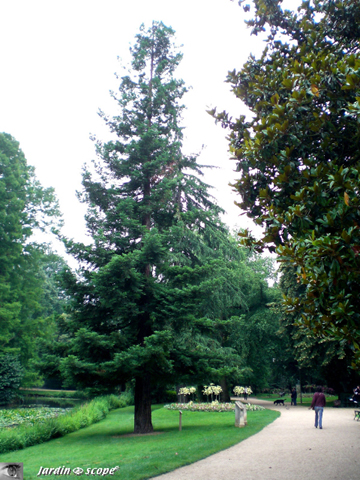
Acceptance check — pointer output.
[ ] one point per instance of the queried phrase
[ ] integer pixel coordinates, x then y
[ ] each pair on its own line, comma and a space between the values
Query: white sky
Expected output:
58, 60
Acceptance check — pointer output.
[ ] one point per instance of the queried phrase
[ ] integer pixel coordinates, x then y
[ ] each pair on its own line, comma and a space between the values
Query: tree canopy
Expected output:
298, 156
25, 206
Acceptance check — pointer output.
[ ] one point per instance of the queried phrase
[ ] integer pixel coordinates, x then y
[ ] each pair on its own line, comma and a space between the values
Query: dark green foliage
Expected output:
51, 344
254, 337
322, 361
11, 374
299, 158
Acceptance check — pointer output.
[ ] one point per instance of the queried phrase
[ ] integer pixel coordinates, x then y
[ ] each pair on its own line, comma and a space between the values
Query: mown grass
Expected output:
109, 443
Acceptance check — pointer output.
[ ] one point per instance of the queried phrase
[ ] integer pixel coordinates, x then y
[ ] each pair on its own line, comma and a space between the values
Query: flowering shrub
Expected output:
212, 390
312, 389
187, 391
309, 388
241, 390
210, 407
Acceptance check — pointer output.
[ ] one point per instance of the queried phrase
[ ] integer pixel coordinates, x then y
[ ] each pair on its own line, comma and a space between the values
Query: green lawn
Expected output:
105, 444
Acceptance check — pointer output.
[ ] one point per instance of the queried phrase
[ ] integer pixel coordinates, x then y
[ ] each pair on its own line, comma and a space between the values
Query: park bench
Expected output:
355, 403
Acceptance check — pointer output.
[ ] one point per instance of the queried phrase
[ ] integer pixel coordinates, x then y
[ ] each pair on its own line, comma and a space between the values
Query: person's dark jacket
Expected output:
318, 400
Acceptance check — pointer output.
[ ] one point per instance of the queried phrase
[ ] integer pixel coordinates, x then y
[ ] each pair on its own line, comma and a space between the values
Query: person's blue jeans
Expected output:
318, 416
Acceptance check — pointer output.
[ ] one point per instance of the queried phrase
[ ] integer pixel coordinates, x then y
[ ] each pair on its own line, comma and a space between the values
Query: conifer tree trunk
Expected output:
225, 391
142, 396
142, 420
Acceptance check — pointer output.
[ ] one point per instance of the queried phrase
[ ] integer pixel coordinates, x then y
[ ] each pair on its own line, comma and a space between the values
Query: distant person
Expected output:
293, 396
356, 396
245, 393
318, 403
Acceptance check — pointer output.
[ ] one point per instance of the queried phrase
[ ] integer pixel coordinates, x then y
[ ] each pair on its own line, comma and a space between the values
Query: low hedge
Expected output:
27, 435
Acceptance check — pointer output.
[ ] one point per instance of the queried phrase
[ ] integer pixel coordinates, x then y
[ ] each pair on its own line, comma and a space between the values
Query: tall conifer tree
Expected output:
140, 301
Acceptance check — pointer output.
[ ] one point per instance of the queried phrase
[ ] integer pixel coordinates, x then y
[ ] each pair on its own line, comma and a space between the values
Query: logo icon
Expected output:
78, 471
11, 470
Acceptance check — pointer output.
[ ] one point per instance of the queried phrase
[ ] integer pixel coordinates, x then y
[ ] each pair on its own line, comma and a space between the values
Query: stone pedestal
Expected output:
240, 415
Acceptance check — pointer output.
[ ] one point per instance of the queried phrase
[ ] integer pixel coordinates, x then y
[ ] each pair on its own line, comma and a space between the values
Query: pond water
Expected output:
28, 401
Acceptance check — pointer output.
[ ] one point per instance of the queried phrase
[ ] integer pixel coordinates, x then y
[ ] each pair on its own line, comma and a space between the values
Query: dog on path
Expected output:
279, 402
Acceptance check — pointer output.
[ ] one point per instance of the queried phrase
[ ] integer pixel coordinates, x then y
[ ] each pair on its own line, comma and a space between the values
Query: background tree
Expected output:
52, 344
304, 357
11, 374
298, 155
144, 298
25, 206
249, 324
241, 316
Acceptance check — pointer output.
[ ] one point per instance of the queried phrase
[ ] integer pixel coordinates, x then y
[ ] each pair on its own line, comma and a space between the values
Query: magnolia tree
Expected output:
298, 159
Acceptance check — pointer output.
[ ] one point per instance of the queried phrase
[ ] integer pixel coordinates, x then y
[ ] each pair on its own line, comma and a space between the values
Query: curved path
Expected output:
290, 448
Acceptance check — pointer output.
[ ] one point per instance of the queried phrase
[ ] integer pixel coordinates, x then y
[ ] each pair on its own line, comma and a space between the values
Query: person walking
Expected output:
356, 397
245, 393
293, 396
318, 403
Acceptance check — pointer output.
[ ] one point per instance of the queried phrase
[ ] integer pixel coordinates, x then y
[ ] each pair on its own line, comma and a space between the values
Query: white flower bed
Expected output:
210, 407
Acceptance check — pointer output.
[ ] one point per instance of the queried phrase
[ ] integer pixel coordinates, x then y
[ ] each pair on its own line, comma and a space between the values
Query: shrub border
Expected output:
79, 417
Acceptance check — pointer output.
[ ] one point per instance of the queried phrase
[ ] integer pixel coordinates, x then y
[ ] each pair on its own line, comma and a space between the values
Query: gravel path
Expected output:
290, 448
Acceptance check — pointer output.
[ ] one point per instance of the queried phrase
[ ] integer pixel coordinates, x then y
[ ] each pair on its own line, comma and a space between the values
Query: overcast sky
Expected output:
58, 60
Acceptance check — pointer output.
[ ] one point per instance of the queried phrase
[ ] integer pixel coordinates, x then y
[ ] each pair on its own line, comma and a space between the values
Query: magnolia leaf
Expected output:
315, 90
